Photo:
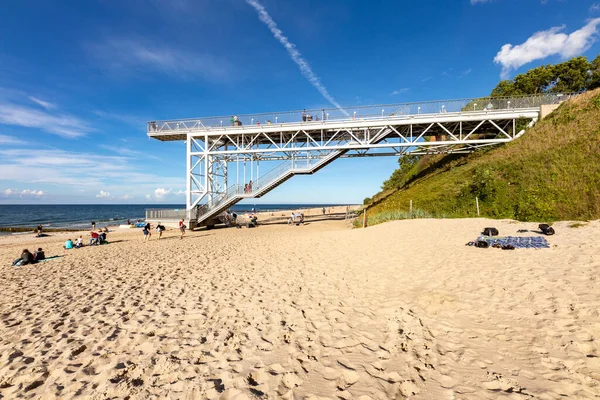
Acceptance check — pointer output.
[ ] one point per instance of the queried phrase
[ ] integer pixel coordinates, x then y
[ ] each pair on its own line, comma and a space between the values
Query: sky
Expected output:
79, 79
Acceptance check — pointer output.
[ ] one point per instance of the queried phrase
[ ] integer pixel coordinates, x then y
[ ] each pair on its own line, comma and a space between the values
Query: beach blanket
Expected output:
520, 242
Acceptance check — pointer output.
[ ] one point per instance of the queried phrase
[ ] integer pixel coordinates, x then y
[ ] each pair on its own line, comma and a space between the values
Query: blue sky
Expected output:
79, 79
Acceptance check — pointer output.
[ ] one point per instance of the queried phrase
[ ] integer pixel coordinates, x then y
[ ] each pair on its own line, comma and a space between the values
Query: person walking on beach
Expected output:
40, 229
147, 231
181, 228
94, 225
160, 229
323, 210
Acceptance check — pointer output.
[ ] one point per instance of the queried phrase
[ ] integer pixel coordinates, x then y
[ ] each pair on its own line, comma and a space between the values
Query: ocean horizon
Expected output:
80, 216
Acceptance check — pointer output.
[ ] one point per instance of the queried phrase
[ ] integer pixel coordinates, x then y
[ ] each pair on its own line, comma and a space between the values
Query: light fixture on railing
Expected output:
508, 104
382, 110
354, 115
252, 121
276, 118
443, 111
418, 110
474, 106
221, 123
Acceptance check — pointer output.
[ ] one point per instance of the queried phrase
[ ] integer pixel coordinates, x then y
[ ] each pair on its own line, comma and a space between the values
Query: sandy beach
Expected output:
319, 311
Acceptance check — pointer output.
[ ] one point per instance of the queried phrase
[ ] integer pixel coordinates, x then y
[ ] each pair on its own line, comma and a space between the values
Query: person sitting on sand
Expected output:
105, 229
79, 242
101, 237
147, 231
93, 238
26, 258
39, 255
68, 244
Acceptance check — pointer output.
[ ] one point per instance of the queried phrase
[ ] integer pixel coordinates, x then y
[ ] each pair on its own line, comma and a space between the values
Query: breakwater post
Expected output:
477, 204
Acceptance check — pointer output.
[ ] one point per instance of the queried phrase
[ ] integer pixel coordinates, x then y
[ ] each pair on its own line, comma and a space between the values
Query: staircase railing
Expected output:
264, 181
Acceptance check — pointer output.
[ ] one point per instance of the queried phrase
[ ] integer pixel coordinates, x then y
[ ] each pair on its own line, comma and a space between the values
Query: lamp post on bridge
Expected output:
382, 113
474, 106
276, 118
418, 110
508, 102
252, 121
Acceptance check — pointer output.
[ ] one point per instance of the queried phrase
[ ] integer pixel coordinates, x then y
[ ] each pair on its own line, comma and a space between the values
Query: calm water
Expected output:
80, 216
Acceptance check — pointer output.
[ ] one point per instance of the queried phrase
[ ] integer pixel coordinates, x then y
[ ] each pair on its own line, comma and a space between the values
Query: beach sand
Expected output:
399, 310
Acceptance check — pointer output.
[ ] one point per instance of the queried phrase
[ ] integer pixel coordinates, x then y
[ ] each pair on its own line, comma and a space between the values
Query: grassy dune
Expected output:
550, 173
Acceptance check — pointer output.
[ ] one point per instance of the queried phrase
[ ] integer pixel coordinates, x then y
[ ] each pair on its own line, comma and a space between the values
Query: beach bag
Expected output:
546, 229
490, 232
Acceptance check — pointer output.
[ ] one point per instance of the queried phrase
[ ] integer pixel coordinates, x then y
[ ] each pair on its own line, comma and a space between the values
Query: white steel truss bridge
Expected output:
235, 157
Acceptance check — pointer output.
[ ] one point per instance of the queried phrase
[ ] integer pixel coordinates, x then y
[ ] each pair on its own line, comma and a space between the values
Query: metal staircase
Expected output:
208, 213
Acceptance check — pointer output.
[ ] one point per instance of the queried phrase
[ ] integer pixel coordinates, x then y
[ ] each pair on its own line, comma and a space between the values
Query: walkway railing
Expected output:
336, 115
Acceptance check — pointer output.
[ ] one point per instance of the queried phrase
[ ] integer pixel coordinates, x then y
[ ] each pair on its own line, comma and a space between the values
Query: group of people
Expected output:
307, 117
296, 218
96, 238
248, 187
28, 257
235, 121
160, 228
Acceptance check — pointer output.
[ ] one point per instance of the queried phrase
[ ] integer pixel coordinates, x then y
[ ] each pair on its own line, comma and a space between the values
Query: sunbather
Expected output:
26, 258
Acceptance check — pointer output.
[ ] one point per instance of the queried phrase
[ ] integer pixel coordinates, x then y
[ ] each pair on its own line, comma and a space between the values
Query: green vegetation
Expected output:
551, 173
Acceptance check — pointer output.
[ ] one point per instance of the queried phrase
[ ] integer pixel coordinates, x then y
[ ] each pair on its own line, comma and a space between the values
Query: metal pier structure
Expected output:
236, 157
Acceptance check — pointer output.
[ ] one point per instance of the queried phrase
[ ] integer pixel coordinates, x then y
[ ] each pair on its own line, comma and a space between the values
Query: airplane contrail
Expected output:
294, 53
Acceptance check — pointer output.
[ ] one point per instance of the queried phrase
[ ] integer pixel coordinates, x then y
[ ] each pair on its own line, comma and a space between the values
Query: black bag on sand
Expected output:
546, 229
490, 232
482, 244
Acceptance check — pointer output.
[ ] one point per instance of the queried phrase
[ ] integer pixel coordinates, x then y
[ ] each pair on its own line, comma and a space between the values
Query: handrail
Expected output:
379, 111
264, 181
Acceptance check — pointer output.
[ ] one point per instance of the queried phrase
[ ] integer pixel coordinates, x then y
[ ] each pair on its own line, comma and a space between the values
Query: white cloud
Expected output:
127, 197
45, 104
131, 56
36, 193
62, 125
595, 7
5, 139
465, 72
180, 192
546, 43
399, 91
23, 193
473, 2
160, 193
102, 194
305, 68
148, 197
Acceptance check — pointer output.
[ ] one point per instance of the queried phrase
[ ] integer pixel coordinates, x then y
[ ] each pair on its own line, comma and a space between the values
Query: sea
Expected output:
80, 216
